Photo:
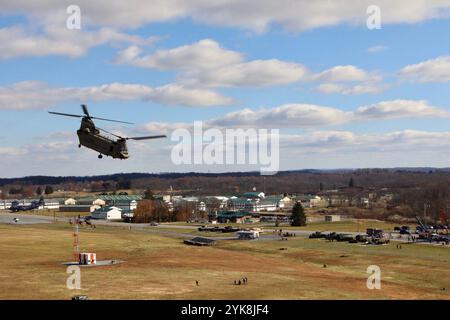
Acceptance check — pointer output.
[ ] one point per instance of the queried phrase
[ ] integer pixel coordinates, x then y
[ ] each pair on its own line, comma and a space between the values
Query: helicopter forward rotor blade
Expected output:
66, 114
147, 137
87, 115
111, 120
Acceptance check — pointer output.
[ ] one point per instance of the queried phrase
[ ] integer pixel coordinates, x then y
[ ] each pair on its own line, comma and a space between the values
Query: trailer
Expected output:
248, 235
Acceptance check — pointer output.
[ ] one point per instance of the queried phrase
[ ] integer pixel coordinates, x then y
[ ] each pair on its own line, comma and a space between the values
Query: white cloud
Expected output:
377, 48
399, 141
255, 73
128, 55
162, 127
351, 89
433, 70
256, 15
290, 115
314, 149
307, 116
348, 80
204, 54
11, 151
400, 109
206, 63
38, 95
174, 94
20, 42
347, 73
102, 19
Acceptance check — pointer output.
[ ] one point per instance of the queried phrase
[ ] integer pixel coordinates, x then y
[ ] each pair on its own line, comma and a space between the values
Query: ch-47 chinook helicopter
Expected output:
89, 136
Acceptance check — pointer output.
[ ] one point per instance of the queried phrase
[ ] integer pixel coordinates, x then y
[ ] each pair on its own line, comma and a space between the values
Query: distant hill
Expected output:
307, 180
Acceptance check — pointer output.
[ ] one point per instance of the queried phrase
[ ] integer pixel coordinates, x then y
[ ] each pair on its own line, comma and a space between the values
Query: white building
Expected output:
317, 201
257, 204
107, 213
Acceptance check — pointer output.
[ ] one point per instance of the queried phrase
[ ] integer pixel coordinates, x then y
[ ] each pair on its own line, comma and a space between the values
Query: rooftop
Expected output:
105, 209
124, 198
233, 214
253, 195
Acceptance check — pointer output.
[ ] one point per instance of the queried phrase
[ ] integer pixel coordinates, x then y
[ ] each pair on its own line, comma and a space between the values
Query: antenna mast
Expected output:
76, 247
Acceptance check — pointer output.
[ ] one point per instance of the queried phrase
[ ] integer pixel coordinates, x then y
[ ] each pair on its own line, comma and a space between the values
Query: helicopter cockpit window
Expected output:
123, 147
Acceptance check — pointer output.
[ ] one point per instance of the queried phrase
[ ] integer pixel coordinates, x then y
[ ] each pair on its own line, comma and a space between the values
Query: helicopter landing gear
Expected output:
100, 156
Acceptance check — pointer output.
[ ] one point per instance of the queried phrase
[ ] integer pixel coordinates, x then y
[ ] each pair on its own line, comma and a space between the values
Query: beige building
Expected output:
332, 218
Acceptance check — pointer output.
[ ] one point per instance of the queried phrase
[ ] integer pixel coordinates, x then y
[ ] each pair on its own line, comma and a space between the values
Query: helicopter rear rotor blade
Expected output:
110, 120
115, 135
66, 114
85, 110
133, 138
147, 137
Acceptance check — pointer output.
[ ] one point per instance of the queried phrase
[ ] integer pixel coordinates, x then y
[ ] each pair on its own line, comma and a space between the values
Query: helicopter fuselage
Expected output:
90, 137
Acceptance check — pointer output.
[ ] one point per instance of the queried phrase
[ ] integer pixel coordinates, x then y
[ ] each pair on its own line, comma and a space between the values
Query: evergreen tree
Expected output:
124, 184
39, 191
14, 190
298, 215
351, 183
48, 190
148, 194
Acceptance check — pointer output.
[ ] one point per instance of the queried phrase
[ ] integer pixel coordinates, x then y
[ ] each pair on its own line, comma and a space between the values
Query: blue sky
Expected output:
407, 124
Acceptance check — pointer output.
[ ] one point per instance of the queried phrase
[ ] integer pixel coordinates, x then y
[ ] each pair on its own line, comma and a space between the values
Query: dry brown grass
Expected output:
163, 268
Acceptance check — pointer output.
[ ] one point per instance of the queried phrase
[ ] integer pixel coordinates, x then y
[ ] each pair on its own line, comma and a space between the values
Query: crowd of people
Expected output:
242, 281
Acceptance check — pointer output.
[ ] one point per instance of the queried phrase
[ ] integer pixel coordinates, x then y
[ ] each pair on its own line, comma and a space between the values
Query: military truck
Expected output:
317, 235
375, 233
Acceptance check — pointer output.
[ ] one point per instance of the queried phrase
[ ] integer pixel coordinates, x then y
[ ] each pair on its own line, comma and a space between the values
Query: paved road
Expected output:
8, 218
24, 219
269, 233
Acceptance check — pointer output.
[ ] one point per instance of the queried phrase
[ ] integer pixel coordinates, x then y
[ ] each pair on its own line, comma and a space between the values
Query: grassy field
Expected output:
159, 267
